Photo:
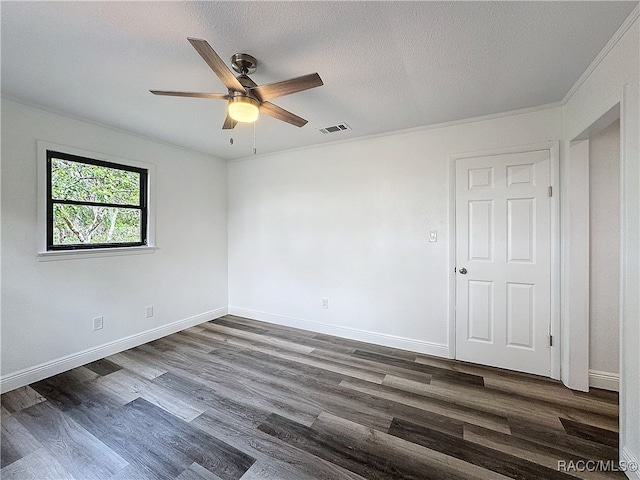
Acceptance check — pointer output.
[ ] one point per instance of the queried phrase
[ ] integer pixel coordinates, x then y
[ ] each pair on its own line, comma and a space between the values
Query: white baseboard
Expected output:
403, 343
59, 365
630, 459
604, 380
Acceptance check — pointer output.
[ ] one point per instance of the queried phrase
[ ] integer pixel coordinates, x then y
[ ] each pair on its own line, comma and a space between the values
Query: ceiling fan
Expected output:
245, 98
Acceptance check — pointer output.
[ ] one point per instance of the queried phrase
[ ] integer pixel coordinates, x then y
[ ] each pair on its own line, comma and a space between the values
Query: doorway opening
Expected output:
592, 257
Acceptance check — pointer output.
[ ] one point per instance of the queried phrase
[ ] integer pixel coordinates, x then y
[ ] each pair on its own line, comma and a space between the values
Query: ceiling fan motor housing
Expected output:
244, 97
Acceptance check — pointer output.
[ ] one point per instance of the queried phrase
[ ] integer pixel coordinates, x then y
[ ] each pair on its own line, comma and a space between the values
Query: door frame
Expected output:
575, 344
554, 179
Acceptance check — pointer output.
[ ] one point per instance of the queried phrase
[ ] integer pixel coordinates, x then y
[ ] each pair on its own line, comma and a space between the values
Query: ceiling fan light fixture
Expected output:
243, 109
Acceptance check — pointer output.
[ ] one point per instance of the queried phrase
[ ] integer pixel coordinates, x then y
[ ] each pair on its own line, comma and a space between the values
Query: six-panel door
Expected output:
503, 242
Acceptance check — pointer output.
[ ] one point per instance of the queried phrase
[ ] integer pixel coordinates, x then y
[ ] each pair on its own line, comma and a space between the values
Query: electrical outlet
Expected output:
148, 311
98, 323
325, 303
433, 235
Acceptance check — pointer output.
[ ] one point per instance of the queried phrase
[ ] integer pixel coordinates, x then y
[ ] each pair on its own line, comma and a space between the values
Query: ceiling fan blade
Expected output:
281, 114
229, 123
217, 65
286, 87
215, 96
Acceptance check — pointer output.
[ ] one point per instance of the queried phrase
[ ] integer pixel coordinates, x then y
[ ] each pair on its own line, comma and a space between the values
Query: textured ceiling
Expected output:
386, 65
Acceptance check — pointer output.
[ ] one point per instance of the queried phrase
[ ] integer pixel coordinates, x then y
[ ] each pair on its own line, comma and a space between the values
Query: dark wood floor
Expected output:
236, 398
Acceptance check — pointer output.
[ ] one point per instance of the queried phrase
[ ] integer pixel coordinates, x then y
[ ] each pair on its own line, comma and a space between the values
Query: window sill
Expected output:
93, 253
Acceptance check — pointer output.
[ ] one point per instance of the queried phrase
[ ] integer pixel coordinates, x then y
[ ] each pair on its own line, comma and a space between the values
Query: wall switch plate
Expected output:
433, 235
148, 311
325, 303
98, 323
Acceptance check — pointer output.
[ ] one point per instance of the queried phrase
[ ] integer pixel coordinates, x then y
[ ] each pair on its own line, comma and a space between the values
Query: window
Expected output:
94, 203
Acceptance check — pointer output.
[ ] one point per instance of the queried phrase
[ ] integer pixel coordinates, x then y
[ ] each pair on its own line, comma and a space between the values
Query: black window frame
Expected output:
143, 206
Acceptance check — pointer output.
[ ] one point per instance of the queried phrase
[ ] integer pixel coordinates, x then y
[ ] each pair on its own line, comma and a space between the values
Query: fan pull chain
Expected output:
254, 138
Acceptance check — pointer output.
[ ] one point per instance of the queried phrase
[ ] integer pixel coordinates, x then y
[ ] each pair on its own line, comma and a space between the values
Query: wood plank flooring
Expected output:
240, 399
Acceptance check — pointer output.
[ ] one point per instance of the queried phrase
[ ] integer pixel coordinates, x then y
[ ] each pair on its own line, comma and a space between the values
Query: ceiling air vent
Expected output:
335, 128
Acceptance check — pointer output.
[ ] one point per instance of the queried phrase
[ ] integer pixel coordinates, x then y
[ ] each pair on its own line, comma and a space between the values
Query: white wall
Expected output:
48, 306
349, 222
615, 78
604, 223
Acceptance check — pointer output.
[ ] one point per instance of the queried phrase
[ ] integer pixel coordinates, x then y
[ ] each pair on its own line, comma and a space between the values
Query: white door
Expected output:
503, 261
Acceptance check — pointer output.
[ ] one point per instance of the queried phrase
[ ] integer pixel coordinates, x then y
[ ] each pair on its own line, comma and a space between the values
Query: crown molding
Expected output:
613, 41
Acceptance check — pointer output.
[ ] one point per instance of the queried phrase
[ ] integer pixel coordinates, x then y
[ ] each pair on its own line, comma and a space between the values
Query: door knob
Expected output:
463, 271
